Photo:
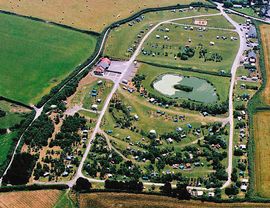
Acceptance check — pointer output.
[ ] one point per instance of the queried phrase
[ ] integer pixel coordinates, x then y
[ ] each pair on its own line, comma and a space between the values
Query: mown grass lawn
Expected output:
238, 19
220, 83
37, 56
12, 117
159, 50
65, 201
6, 142
218, 21
123, 37
248, 11
103, 91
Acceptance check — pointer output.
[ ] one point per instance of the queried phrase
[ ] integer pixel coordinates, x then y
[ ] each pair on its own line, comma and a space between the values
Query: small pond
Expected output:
202, 90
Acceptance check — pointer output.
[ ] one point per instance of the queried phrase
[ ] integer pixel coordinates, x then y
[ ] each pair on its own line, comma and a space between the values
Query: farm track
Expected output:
234, 67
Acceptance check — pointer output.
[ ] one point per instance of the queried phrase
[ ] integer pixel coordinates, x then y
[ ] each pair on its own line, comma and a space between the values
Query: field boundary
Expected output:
33, 187
187, 69
89, 32
255, 105
16, 102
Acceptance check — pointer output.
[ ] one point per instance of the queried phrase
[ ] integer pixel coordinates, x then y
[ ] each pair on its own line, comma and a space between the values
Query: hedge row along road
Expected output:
116, 85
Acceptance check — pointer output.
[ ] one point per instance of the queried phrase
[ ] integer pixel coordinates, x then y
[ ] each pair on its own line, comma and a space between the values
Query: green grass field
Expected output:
123, 37
103, 92
248, 11
37, 56
238, 19
6, 142
13, 116
65, 201
148, 119
220, 83
165, 51
84, 97
215, 21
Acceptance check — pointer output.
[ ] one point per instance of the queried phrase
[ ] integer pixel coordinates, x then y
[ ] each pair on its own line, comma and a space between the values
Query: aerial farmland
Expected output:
52, 54
160, 98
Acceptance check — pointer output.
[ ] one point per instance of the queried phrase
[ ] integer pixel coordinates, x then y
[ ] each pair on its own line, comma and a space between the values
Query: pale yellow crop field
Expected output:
85, 14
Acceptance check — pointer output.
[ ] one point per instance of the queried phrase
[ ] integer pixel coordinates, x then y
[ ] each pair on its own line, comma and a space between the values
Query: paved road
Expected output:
235, 65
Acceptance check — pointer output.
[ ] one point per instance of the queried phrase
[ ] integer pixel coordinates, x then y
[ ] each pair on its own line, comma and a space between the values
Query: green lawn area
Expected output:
124, 37
215, 21
13, 116
103, 91
248, 11
84, 96
6, 142
241, 71
151, 72
238, 19
161, 51
149, 118
37, 56
65, 201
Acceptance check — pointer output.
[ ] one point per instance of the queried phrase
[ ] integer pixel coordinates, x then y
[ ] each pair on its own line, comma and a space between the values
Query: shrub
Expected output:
183, 87
20, 170
82, 184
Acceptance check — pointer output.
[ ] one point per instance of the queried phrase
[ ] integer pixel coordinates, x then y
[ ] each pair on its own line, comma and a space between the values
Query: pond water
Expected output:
202, 90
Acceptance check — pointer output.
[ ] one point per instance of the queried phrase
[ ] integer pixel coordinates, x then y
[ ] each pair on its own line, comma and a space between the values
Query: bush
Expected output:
228, 4
242, 166
20, 170
124, 185
3, 131
183, 87
166, 189
39, 132
82, 184
232, 190
2, 113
